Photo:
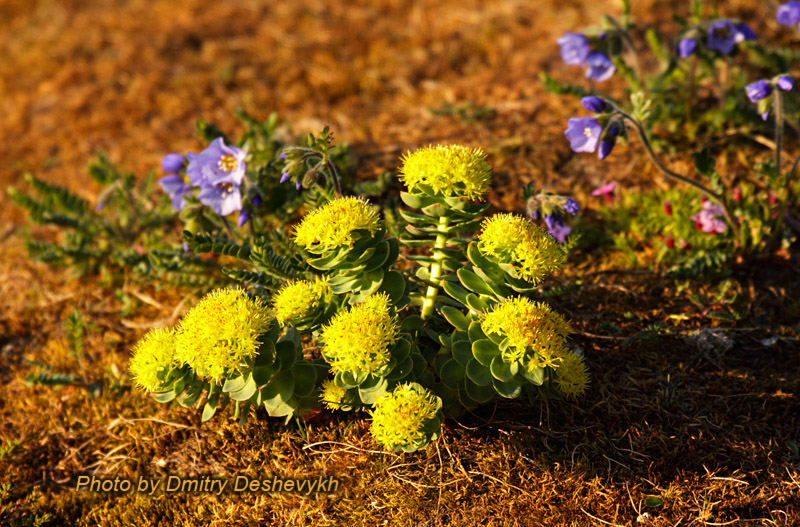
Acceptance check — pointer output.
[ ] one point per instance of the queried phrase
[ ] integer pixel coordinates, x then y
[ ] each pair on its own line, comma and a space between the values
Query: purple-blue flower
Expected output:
600, 66
556, 227
244, 217
758, 90
257, 201
583, 133
217, 164
593, 103
176, 188
722, 36
223, 198
284, 177
571, 206
785, 83
172, 163
789, 13
574, 48
605, 148
744, 32
686, 47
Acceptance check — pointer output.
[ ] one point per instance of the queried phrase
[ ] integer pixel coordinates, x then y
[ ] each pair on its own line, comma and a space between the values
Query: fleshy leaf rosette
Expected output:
349, 239
514, 344
406, 419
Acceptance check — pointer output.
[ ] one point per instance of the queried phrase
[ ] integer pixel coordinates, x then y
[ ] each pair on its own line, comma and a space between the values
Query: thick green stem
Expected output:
436, 268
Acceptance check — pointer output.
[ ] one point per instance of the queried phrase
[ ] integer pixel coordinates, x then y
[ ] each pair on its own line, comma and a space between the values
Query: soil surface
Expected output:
669, 433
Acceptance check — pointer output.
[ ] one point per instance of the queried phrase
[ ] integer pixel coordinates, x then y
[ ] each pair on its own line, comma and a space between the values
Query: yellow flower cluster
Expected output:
153, 357
532, 329
358, 340
221, 332
451, 170
572, 376
331, 226
400, 416
300, 298
512, 239
332, 395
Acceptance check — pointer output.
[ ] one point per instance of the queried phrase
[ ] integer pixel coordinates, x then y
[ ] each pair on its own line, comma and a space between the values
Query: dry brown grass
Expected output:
708, 434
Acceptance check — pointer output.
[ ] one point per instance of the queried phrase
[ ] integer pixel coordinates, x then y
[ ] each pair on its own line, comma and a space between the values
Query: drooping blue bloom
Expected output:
744, 32
172, 163
605, 148
583, 133
556, 227
282, 156
176, 188
785, 83
600, 66
789, 13
593, 104
299, 186
758, 90
223, 198
571, 206
764, 116
574, 48
244, 217
284, 177
257, 201
686, 47
217, 164
722, 36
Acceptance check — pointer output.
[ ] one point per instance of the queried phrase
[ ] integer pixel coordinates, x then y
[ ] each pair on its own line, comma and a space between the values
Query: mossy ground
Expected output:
713, 435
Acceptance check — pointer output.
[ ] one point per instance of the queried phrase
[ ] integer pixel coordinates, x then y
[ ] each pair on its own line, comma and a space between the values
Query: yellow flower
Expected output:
533, 331
572, 376
221, 332
512, 239
332, 395
400, 416
153, 357
451, 170
300, 298
358, 340
331, 226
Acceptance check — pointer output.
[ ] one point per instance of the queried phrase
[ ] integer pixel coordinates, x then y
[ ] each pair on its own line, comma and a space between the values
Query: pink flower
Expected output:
607, 191
708, 219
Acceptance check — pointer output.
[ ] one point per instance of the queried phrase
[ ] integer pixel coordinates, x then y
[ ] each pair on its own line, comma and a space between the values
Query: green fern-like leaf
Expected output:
205, 243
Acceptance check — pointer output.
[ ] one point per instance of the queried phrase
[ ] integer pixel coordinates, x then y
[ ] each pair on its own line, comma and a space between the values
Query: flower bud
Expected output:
172, 163
686, 47
785, 83
667, 207
593, 104
605, 148
244, 217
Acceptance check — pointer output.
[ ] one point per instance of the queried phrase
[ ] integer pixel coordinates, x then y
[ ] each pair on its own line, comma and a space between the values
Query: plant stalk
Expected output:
436, 268
717, 198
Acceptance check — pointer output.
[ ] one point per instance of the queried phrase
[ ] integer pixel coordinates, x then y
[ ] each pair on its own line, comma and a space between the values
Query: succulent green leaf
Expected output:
503, 371
485, 351
478, 373
456, 318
